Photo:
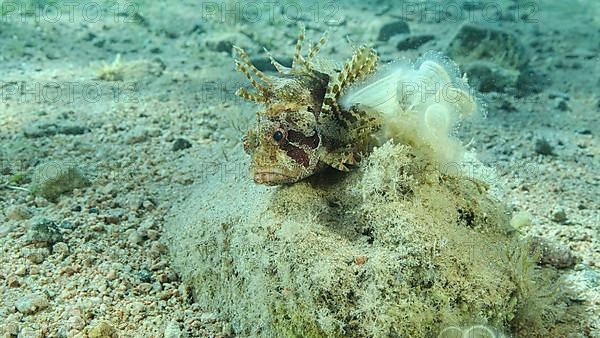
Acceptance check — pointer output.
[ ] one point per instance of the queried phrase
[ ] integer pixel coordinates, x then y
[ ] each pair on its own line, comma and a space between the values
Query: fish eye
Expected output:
278, 135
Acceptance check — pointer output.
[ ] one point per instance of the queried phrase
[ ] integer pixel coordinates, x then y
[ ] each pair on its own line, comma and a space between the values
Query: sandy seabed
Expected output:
138, 96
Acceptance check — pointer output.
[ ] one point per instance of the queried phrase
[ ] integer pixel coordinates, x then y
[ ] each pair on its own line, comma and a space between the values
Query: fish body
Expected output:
315, 116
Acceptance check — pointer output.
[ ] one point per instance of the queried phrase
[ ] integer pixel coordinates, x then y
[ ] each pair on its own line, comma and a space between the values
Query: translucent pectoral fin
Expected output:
380, 91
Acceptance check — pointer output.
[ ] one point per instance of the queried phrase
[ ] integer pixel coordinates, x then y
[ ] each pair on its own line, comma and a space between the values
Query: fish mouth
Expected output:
272, 176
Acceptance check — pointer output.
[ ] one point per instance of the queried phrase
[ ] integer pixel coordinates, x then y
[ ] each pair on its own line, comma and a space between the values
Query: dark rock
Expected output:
72, 129
562, 105
488, 77
414, 41
474, 42
263, 63
43, 231
223, 46
542, 147
145, 276
181, 144
198, 29
553, 254
393, 28
560, 216
89, 36
45, 129
530, 82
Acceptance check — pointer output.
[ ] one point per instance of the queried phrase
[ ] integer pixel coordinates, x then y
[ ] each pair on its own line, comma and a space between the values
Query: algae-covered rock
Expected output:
53, 179
393, 249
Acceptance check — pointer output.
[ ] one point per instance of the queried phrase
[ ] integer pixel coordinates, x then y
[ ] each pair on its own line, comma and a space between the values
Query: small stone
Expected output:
208, 318
45, 129
43, 231
72, 129
36, 257
414, 41
488, 77
135, 238
223, 42
61, 248
137, 135
28, 332
172, 330
153, 235
197, 28
181, 144
145, 276
553, 254
562, 105
144, 288
101, 330
393, 28
223, 46
477, 42
148, 205
559, 216
21, 270
13, 281
543, 147
75, 323
56, 178
136, 308
31, 304
111, 275
18, 213
11, 328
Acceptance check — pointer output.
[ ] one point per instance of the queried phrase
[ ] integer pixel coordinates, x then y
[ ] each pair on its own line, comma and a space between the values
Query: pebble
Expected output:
114, 216
414, 41
477, 42
18, 213
153, 235
487, 77
392, 28
31, 303
112, 275
37, 256
45, 129
172, 330
181, 144
11, 328
145, 276
75, 323
141, 134
43, 231
101, 330
53, 179
61, 248
553, 254
21, 270
135, 238
28, 332
543, 147
559, 216
208, 317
